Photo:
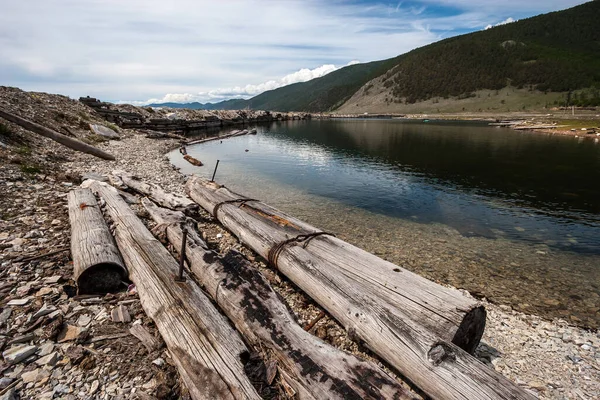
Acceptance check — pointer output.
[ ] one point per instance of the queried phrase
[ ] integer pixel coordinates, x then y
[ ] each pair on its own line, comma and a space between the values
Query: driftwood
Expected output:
57, 137
97, 263
260, 316
192, 160
206, 350
228, 135
171, 201
414, 324
150, 134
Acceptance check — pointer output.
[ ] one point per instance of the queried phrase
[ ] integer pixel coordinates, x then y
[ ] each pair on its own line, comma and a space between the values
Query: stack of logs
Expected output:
421, 329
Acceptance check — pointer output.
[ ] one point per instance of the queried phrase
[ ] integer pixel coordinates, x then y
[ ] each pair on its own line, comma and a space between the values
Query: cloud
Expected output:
506, 21
141, 49
243, 92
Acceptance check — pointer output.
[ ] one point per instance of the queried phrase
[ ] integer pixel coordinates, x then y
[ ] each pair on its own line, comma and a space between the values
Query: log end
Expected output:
470, 331
101, 279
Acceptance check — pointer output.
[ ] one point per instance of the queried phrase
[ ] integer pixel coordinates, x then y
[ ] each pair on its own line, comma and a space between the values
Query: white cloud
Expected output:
244, 92
141, 49
506, 21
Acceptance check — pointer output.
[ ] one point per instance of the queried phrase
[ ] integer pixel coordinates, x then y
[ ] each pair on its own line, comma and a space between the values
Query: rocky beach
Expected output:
56, 344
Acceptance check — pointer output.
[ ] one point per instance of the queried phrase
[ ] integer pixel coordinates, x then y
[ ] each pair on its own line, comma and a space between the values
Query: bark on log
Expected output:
407, 320
245, 296
171, 201
192, 160
57, 137
97, 263
206, 350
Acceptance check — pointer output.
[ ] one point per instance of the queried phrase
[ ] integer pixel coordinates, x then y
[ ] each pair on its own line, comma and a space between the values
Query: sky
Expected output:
142, 51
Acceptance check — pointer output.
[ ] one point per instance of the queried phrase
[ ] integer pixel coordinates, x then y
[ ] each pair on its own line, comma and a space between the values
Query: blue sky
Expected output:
188, 50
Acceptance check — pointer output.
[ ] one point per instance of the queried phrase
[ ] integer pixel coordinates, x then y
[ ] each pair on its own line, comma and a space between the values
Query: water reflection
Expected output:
481, 208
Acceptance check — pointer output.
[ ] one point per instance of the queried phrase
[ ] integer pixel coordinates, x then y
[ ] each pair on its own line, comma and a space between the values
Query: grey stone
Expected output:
49, 359
44, 310
5, 382
16, 354
46, 349
104, 131
10, 395
19, 302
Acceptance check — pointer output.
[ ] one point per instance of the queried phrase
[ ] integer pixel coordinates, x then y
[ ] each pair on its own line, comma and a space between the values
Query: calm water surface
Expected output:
511, 216
477, 179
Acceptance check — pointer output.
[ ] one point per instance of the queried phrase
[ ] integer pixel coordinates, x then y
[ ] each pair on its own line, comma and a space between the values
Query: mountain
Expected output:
556, 52
552, 53
233, 104
320, 94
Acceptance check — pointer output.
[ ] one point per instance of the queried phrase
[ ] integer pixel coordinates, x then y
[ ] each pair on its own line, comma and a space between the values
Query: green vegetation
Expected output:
111, 126
4, 130
556, 52
30, 169
23, 150
92, 139
577, 123
83, 116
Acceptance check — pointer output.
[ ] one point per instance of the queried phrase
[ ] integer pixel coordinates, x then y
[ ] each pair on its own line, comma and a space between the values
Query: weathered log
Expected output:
206, 350
192, 160
171, 201
412, 323
233, 133
97, 263
57, 137
161, 135
260, 316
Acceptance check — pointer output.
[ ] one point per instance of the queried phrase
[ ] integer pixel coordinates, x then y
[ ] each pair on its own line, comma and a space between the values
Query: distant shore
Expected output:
582, 123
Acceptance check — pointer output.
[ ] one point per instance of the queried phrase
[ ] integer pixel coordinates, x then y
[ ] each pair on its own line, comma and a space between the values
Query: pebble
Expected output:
16, 354
19, 302
159, 362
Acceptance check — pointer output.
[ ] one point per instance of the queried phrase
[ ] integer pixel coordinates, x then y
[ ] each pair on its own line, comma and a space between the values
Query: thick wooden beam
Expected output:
262, 318
57, 137
171, 201
233, 133
407, 320
206, 350
97, 263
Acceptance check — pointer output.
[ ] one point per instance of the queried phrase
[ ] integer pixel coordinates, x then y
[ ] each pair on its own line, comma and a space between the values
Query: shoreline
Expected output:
552, 358
591, 131
540, 335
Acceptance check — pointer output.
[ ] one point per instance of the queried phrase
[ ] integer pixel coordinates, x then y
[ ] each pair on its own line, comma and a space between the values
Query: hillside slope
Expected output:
556, 52
551, 53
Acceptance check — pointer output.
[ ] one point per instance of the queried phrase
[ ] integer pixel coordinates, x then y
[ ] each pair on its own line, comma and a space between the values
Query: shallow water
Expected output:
508, 215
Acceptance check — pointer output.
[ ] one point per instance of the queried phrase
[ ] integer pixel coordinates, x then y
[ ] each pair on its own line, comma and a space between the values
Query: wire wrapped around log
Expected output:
278, 248
219, 205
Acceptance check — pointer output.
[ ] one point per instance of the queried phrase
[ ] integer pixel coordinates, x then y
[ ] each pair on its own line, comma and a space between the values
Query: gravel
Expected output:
553, 358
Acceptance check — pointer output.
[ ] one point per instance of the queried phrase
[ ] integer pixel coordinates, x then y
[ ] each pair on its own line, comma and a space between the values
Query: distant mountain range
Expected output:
555, 52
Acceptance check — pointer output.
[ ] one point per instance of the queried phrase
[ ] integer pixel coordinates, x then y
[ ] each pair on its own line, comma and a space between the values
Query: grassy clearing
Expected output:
94, 139
30, 169
579, 123
111, 126
23, 150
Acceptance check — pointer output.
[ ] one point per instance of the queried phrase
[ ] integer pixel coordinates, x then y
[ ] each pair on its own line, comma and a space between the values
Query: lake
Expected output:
512, 216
